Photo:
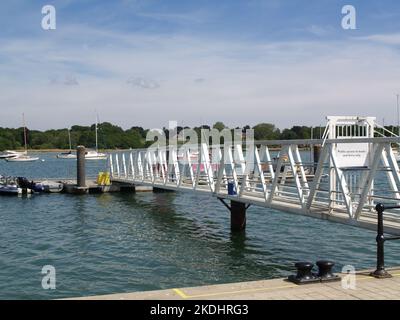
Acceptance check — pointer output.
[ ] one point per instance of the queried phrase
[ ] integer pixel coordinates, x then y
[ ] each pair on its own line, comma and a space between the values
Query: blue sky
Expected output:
145, 62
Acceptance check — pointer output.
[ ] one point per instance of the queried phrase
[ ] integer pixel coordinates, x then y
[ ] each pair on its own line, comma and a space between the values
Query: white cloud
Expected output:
319, 30
143, 83
390, 39
181, 18
285, 83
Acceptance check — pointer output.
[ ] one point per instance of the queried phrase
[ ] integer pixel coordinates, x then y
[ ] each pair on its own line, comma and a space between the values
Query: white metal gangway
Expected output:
278, 174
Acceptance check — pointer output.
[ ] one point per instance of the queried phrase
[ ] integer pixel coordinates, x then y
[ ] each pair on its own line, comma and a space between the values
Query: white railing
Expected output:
272, 174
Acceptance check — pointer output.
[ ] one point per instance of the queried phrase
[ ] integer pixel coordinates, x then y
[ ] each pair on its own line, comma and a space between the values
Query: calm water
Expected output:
112, 243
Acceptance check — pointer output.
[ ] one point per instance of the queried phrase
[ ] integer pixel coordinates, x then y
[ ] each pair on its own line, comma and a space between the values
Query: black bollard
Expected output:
325, 271
304, 274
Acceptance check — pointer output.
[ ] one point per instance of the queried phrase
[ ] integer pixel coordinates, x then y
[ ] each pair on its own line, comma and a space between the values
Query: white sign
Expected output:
351, 155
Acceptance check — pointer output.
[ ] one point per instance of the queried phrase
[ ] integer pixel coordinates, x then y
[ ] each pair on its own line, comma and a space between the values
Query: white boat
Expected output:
66, 155
90, 154
70, 154
95, 155
10, 154
23, 157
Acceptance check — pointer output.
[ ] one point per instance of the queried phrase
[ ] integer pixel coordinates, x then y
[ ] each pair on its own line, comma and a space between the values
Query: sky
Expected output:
148, 62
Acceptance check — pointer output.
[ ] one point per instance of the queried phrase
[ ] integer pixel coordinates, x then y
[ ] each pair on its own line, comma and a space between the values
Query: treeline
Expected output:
109, 137
114, 137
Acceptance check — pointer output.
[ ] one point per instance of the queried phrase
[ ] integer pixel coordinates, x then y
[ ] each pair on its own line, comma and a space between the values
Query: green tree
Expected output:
266, 131
288, 134
219, 126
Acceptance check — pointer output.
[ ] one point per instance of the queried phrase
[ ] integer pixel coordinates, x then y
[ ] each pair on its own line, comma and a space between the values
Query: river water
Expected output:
114, 243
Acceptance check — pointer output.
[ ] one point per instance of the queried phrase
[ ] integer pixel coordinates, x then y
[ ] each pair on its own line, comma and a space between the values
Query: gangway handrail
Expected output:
284, 143
386, 130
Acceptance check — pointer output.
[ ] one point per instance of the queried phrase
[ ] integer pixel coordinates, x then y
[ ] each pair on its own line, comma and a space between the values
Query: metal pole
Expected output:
312, 147
398, 115
97, 148
316, 155
238, 216
80, 169
25, 137
380, 271
69, 138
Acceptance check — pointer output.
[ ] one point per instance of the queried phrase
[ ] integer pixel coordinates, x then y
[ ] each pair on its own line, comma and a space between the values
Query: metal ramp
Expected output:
343, 182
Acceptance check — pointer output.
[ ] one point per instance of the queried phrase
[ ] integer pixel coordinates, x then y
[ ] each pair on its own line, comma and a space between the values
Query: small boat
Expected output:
8, 186
48, 187
90, 154
10, 154
67, 155
10, 190
23, 157
95, 155
40, 187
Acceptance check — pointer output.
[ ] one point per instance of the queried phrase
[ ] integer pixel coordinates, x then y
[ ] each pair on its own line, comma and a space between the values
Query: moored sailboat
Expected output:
23, 157
10, 154
95, 154
70, 154
90, 154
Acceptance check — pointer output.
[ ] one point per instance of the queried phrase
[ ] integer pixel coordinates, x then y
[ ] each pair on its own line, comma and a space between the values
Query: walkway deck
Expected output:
366, 288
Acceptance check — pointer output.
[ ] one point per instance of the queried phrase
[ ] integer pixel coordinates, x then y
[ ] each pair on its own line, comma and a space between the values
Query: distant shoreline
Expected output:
115, 150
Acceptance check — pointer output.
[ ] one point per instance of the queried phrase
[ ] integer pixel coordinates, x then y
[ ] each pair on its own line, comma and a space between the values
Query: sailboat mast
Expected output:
25, 140
96, 135
69, 138
398, 116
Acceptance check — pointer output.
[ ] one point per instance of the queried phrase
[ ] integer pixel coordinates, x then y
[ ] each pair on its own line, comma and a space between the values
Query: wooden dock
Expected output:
365, 288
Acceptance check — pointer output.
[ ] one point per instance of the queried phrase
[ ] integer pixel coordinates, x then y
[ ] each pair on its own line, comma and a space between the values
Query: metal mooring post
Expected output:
238, 216
316, 155
80, 167
380, 271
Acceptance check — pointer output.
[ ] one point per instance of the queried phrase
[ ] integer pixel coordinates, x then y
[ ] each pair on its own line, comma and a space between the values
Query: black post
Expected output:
316, 155
380, 271
238, 216
80, 169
